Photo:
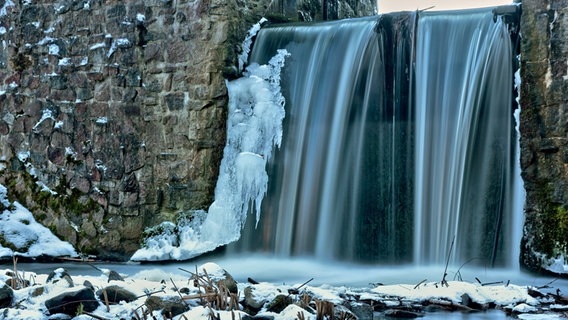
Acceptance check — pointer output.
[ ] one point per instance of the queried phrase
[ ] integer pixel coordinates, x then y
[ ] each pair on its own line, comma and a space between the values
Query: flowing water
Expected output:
399, 142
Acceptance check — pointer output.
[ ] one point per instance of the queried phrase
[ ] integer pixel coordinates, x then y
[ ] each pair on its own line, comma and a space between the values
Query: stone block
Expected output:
175, 101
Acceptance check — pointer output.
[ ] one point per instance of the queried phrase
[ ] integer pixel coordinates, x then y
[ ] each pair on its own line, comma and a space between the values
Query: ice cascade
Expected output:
254, 128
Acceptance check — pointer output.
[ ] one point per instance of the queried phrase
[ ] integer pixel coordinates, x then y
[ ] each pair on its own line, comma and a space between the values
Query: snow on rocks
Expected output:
203, 294
22, 235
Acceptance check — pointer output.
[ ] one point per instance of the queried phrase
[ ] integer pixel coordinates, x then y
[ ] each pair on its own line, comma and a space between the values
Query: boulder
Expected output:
115, 294
253, 301
170, 307
361, 310
6, 296
69, 302
219, 276
60, 274
279, 303
114, 276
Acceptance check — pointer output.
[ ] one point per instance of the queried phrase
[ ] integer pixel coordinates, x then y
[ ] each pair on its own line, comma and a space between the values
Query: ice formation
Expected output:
254, 128
246, 45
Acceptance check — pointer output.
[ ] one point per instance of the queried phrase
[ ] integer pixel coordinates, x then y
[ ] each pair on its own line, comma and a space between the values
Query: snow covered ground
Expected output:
29, 301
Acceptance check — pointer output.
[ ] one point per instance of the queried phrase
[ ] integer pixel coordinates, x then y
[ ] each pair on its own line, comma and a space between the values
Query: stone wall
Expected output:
119, 107
544, 130
112, 113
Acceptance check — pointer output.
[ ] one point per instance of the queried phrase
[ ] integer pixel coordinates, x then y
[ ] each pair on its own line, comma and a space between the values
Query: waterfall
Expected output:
464, 138
399, 141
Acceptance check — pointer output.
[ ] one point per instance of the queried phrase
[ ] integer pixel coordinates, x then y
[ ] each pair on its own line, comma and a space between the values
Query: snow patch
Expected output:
118, 43
65, 62
45, 41
97, 46
101, 120
4, 9
557, 265
46, 114
100, 165
45, 188
53, 49
524, 308
23, 156
505, 295
70, 152
19, 227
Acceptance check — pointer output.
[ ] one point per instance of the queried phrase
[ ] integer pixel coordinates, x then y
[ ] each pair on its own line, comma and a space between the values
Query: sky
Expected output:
404, 5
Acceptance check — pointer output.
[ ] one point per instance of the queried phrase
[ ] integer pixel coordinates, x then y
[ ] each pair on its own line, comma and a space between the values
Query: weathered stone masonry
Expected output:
544, 129
121, 106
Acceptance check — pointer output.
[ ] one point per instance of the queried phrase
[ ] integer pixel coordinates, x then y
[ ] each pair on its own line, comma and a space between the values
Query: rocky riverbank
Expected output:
209, 292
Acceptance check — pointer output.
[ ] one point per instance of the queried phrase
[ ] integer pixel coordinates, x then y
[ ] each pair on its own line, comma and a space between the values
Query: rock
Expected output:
113, 275
279, 303
468, 302
219, 276
115, 294
170, 307
60, 274
361, 310
89, 285
69, 302
251, 300
38, 291
342, 312
263, 317
6, 296
401, 314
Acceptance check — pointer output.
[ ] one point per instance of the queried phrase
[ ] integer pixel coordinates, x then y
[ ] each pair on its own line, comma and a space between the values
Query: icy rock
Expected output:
219, 276
395, 313
38, 291
361, 310
60, 274
114, 276
6, 296
253, 301
170, 307
523, 308
279, 303
69, 302
116, 294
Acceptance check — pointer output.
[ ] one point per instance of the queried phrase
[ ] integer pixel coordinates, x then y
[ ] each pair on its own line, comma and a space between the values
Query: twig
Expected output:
419, 283
177, 290
546, 286
297, 290
444, 282
105, 295
92, 315
149, 294
459, 269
